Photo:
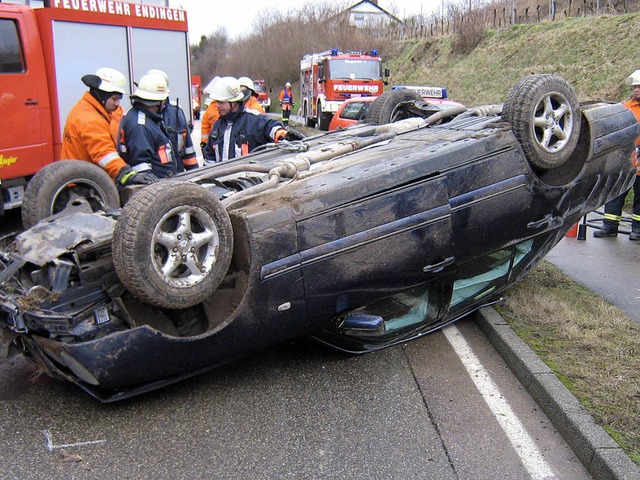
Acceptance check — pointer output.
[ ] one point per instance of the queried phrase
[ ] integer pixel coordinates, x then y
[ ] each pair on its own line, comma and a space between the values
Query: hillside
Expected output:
596, 54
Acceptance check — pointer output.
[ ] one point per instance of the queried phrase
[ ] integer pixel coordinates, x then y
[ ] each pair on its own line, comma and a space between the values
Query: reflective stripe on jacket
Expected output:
240, 133
90, 134
144, 144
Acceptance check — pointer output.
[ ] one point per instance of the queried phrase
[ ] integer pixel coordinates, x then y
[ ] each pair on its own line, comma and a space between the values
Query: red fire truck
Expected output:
263, 94
329, 78
45, 52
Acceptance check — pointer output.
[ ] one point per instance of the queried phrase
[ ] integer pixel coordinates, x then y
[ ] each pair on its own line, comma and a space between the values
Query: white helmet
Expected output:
162, 73
634, 78
288, 84
152, 87
226, 89
246, 82
109, 80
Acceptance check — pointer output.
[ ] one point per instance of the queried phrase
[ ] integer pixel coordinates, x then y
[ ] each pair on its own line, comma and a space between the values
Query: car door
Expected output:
393, 243
25, 133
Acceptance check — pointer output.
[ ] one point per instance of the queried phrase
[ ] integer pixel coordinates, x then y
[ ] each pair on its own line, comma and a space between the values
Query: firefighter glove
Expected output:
293, 134
144, 178
128, 176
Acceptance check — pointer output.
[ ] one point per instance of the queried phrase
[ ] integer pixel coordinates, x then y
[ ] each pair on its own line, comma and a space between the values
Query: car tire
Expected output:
388, 107
172, 244
73, 185
544, 114
324, 118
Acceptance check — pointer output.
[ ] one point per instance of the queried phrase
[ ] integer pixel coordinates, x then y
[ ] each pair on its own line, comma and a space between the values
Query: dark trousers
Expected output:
614, 207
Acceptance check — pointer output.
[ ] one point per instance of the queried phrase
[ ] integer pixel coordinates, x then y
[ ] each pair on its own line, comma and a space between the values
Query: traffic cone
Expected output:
573, 231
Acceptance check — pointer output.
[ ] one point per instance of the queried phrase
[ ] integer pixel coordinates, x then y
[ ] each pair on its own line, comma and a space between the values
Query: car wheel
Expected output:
172, 244
391, 106
68, 186
544, 114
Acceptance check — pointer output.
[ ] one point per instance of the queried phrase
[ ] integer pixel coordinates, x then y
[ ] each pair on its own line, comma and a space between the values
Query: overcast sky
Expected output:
207, 16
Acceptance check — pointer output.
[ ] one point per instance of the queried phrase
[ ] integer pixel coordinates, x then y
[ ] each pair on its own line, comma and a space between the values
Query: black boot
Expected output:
635, 231
606, 231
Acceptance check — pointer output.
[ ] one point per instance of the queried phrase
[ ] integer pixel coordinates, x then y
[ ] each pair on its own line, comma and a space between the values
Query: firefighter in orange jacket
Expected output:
251, 96
286, 103
91, 129
209, 117
613, 209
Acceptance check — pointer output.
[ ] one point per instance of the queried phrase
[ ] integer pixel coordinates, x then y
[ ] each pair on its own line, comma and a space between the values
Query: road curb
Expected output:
598, 452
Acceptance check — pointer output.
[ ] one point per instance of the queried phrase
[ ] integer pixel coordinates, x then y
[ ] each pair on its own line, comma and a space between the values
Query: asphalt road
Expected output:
295, 411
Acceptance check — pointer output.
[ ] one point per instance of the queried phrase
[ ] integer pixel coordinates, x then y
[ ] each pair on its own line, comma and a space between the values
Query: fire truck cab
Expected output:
329, 78
45, 53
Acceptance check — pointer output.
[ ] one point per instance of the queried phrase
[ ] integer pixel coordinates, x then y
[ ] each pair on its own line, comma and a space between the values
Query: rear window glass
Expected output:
353, 110
10, 49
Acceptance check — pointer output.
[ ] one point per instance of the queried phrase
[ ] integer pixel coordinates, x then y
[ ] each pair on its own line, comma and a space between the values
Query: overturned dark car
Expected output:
361, 238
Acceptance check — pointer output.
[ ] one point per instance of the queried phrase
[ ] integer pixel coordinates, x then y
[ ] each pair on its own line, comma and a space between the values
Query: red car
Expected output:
355, 109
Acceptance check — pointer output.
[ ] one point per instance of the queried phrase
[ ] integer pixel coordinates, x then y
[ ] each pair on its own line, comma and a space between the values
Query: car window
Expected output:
10, 48
481, 277
352, 111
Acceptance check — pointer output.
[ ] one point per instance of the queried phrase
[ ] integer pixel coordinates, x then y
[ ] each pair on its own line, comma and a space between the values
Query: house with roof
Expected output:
368, 13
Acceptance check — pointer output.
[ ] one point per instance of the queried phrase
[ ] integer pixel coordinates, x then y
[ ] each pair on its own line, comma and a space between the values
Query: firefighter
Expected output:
286, 102
238, 131
144, 141
613, 209
209, 117
251, 96
175, 121
91, 129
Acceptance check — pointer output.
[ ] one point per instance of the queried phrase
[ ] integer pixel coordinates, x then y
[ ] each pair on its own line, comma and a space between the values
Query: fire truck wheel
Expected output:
309, 121
324, 118
545, 117
392, 106
172, 244
65, 187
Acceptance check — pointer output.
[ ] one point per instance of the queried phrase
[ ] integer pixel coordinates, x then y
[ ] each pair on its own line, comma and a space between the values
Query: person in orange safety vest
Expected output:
613, 208
286, 103
91, 129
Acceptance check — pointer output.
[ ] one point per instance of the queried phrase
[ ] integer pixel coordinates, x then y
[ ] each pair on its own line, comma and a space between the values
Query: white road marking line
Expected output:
51, 446
522, 442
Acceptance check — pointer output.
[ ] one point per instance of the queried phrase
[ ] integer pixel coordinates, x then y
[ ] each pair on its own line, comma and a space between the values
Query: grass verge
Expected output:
591, 345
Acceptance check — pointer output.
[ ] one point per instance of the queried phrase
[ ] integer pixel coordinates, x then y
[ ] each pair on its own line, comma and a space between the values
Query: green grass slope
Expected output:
595, 54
